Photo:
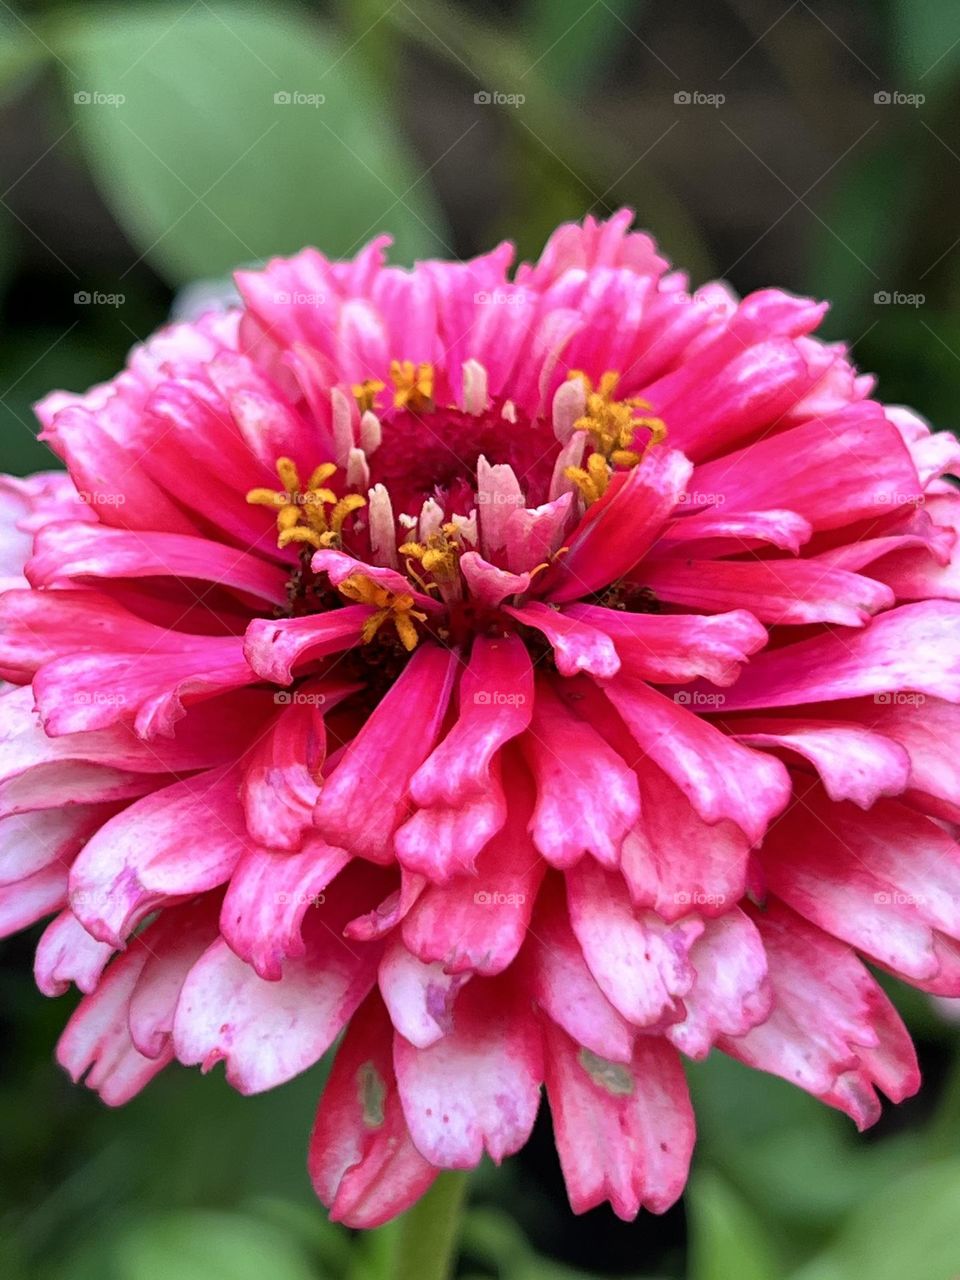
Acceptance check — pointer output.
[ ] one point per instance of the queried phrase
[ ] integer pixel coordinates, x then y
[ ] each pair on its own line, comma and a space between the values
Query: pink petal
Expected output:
587, 798
731, 994
268, 897
274, 648
673, 861
577, 646
564, 987
853, 763
282, 770
366, 796
832, 1031
495, 705
362, 1162
67, 953
720, 778
624, 1133
180, 841
915, 647
420, 997
268, 1032
174, 943
478, 923
675, 648
619, 529
886, 881
641, 964
778, 592
832, 471
478, 1088
80, 550
97, 1044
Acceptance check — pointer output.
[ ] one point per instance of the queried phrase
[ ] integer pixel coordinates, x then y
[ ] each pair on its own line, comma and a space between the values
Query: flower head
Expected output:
576, 702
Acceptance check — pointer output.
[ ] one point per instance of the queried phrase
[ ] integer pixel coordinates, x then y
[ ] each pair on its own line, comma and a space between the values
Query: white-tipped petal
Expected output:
475, 396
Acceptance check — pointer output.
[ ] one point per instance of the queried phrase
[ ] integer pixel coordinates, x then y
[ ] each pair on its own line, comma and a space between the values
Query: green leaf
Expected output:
572, 41
20, 53
196, 1245
910, 1229
726, 1237
222, 135
926, 43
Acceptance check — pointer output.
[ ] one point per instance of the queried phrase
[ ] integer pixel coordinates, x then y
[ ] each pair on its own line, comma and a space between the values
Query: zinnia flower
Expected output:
533, 678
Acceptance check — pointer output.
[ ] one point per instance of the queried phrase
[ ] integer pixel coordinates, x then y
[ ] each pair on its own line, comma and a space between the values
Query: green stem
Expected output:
428, 1234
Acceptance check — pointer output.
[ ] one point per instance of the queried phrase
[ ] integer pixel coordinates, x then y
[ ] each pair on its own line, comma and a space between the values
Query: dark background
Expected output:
783, 168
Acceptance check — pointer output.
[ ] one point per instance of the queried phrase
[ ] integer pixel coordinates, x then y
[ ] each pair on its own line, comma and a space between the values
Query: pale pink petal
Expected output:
495, 1045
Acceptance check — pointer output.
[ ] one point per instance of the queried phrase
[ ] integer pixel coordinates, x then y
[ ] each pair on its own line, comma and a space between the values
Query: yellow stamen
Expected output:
414, 385
303, 514
365, 393
439, 555
391, 606
611, 425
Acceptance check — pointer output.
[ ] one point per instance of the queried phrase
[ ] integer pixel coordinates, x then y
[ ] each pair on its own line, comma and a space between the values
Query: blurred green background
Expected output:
148, 147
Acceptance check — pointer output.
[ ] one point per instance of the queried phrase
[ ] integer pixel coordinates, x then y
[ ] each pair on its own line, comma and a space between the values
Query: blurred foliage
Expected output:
201, 169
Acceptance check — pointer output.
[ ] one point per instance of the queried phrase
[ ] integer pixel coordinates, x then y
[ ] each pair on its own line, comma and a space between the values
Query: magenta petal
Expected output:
495, 705
366, 795
720, 778
620, 528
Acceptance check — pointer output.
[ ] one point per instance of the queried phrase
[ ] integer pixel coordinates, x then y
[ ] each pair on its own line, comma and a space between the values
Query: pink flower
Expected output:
536, 679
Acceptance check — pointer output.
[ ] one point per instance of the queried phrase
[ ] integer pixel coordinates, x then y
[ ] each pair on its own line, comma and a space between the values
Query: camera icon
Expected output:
883, 97
882, 298
483, 98
682, 98
282, 99
82, 97
82, 299
283, 698
482, 698
682, 698
483, 898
